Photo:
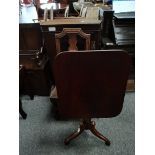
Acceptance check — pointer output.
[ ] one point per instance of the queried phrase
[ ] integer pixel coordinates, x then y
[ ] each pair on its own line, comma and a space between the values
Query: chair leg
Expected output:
98, 134
21, 111
74, 135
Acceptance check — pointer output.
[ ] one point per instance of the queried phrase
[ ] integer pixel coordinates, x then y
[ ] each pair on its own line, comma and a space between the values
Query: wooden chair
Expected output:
91, 85
77, 5
80, 13
92, 13
66, 14
72, 41
33, 55
83, 12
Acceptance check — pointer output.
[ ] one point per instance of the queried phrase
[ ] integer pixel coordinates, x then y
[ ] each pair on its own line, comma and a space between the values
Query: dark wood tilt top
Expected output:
28, 14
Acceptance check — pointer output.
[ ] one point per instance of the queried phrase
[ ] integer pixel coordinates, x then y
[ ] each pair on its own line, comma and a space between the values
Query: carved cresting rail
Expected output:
72, 38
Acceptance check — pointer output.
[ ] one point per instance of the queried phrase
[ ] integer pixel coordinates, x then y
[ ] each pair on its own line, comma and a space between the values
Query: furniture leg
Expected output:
74, 135
87, 124
98, 134
21, 111
31, 96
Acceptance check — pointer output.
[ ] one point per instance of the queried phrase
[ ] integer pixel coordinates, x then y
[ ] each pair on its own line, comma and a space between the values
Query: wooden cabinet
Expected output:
33, 55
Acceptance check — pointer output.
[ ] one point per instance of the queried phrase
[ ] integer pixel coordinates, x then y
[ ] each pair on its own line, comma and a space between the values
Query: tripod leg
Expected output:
31, 96
73, 135
99, 135
21, 111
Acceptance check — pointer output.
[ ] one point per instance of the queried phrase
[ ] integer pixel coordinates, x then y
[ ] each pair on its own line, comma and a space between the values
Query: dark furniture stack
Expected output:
124, 30
119, 33
108, 35
33, 55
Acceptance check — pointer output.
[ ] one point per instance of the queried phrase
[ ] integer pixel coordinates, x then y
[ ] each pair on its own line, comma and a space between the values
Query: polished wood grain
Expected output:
91, 84
72, 34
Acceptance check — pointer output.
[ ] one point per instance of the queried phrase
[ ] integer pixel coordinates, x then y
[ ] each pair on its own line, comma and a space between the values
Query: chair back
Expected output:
30, 37
92, 13
66, 14
83, 12
91, 84
72, 39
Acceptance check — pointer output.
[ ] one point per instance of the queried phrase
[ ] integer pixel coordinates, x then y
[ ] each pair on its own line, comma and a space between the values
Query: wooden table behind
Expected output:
51, 27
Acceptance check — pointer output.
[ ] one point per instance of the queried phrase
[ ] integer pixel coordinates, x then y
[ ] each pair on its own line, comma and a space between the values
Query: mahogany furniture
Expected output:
33, 55
56, 26
71, 37
91, 84
51, 27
